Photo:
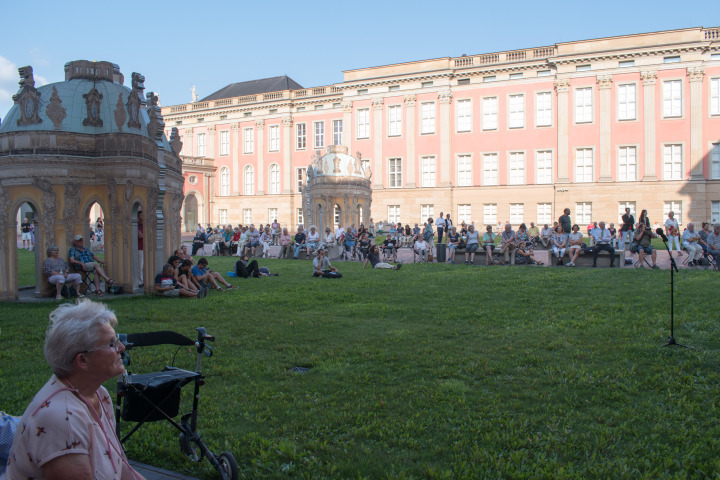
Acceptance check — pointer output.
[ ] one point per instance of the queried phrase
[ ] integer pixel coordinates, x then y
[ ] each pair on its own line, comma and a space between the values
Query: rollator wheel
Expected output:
189, 448
228, 466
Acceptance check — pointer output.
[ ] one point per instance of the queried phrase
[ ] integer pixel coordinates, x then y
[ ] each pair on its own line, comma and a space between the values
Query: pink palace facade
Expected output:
593, 125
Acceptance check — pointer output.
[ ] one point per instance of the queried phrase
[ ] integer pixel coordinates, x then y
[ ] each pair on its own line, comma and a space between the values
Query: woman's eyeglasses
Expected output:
115, 345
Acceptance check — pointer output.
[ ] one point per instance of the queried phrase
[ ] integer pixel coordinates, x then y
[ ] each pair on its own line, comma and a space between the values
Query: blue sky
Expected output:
211, 44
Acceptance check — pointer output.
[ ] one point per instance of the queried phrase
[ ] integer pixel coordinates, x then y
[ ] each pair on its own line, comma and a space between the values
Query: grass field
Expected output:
433, 371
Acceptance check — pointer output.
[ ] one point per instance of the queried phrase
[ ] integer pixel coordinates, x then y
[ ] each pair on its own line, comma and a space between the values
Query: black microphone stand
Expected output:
673, 268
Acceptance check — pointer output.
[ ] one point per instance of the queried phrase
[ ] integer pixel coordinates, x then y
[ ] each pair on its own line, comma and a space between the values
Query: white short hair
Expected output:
74, 328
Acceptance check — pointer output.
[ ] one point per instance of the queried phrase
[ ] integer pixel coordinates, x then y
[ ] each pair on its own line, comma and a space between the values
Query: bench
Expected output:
479, 258
586, 259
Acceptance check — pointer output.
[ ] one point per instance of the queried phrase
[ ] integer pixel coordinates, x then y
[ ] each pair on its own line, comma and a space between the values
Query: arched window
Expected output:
249, 180
274, 178
224, 182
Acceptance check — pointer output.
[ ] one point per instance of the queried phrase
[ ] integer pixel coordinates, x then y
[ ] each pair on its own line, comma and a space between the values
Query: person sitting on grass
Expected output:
300, 238
575, 239
166, 286
58, 273
322, 266
559, 243
84, 260
472, 243
187, 280
643, 237
374, 258
183, 253
421, 248
390, 247
204, 275
453, 241
246, 269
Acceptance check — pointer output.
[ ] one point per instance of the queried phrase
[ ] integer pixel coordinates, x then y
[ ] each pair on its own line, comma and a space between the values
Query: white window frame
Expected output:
426, 211
491, 174
621, 209
427, 118
517, 213
544, 214
715, 161
672, 98
676, 206
222, 216
583, 213
272, 215
393, 213
543, 167
301, 136
673, 161
362, 117
516, 110
201, 145
300, 219
715, 96
225, 142
319, 134
543, 109
249, 180
337, 131
274, 178
463, 111
224, 181
714, 212
428, 169
584, 105
627, 101
464, 213
394, 120
248, 140
516, 168
584, 165
464, 170
490, 214
395, 172
274, 137
247, 216
627, 163
299, 179
490, 113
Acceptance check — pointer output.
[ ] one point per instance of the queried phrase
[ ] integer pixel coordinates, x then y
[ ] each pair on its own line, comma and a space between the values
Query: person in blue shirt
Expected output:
202, 272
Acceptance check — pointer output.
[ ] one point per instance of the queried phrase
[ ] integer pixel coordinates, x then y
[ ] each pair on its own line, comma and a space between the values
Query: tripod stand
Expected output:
673, 268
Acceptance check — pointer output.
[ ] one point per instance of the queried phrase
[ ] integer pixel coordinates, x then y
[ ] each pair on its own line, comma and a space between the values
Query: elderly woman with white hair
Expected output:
58, 272
68, 430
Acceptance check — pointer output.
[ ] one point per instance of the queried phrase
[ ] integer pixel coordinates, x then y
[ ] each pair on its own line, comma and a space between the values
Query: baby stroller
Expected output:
152, 397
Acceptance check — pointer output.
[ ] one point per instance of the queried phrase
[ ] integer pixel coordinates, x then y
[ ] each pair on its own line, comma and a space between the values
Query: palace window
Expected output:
672, 162
584, 165
490, 169
626, 102
248, 140
394, 121
544, 214
584, 105
674, 206
300, 136
490, 113
274, 179
464, 115
490, 213
224, 182
517, 213
274, 134
224, 142
337, 132
427, 118
464, 213
249, 180
363, 123
464, 172
627, 164
395, 172
428, 171
516, 167
516, 111
319, 134
201, 144
393, 213
672, 98
543, 161
543, 106
583, 213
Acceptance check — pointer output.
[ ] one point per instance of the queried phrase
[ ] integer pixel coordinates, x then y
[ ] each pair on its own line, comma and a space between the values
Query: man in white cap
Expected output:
85, 261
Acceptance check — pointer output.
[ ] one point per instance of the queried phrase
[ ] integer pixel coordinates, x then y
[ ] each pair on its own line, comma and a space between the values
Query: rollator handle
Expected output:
128, 345
202, 335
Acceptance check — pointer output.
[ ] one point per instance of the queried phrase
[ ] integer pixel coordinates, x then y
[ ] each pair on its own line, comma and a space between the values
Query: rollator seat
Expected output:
162, 389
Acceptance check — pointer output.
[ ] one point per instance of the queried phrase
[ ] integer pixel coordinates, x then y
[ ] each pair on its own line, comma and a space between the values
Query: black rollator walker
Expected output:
153, 397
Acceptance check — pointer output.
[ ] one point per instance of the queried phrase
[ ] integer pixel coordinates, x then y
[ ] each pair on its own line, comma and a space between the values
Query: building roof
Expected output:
253, 87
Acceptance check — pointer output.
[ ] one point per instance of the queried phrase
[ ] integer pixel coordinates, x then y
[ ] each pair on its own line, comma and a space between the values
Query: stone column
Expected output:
562, 87
236, 173
605, 118
210, 144
260, 144
287, 175
695, 76
649, 79
410, 161
347, 109
445, 99
377, 104
211, 197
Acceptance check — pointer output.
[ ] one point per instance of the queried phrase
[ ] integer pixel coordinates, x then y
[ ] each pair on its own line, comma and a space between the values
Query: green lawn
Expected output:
433, 371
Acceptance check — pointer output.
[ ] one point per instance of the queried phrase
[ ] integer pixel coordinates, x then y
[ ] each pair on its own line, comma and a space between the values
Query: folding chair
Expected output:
646, 261
88, 279
156, 396
709, 261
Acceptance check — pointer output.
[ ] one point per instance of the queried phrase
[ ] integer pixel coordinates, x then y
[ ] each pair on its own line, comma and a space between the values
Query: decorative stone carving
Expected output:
310, 171
49, 208
377, 103
648, 78
27, 98
135, 100
604, 81
70, 211
336, 165
211, 129
156, 125
127, 212
562, 85
4, 209
120, 114
55, 111
176, 205
175, 142
346, 107
287, 121
357, 161
235, 128
695, 74
445, 96
259, 123
93, 99
368, 172
114, 209
410, 100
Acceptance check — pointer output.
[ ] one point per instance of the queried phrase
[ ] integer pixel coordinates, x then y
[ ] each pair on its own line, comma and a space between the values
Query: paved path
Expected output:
155, 473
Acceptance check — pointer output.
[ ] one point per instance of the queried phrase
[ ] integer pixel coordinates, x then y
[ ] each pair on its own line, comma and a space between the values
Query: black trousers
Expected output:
245, 271
605, 246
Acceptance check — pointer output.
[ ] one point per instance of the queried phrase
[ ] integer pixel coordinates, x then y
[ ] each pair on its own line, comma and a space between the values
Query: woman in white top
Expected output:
576, 241
421, 248
559, 244
673, 232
